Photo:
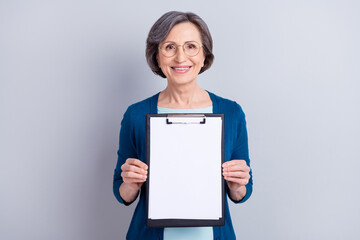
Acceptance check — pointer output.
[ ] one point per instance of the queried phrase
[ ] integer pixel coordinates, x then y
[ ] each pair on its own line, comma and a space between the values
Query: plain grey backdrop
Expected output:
69, 69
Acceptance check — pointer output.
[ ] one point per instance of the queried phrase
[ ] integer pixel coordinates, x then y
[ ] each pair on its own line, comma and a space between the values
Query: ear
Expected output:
157, 59
203, 56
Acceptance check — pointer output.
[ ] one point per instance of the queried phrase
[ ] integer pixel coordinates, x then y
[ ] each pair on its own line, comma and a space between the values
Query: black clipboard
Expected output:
179, 148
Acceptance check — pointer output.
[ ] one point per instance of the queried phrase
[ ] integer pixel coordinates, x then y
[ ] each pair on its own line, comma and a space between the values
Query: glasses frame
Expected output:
178, 47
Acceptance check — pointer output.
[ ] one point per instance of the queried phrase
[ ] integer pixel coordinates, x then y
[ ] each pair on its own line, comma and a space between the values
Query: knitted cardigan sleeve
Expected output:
241, 150
126, 150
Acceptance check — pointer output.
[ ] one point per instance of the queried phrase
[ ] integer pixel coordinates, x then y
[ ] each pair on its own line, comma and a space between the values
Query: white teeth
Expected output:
181, 69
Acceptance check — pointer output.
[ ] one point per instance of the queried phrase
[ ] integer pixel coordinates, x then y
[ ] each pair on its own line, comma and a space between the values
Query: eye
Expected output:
170, 46
191, 46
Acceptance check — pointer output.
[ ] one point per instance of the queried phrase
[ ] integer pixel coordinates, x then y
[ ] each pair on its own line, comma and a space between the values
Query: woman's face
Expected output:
182, 69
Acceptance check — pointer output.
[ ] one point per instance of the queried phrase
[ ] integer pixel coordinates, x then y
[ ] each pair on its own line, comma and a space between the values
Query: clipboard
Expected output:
185, 186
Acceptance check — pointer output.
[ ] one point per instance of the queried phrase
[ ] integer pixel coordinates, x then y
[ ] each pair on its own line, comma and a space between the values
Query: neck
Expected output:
184, 97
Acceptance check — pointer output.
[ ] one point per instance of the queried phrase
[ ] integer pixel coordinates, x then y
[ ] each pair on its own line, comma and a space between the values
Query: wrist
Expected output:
238, 193
129, 192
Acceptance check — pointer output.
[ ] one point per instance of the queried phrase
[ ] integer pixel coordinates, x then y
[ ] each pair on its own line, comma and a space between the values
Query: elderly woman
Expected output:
179, 47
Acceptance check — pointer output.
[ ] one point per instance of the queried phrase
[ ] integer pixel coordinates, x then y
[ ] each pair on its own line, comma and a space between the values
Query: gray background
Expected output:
69, 69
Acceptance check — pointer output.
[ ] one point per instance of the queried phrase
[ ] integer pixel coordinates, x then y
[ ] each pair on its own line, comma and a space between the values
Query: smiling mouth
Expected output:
181, 69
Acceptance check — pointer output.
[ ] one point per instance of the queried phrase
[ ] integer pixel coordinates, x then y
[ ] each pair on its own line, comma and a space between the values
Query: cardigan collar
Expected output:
154, 103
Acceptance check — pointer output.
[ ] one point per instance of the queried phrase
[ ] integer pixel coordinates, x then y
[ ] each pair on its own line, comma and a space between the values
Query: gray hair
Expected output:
161, 29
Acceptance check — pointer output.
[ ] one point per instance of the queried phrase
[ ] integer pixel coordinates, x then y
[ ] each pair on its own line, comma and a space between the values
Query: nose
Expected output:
180, 55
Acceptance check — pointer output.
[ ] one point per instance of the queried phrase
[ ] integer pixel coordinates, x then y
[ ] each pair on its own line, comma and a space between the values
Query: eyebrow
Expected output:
179, 44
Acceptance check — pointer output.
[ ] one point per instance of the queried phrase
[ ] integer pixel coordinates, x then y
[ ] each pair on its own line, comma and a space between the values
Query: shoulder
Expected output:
139, 109
227, 106
145, 105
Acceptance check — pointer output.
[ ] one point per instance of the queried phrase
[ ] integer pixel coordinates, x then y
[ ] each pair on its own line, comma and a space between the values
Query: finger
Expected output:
242, 175
131, 176
132, 168
240, 181
234, 168
135, 165
137, 162
130, 180
234, 162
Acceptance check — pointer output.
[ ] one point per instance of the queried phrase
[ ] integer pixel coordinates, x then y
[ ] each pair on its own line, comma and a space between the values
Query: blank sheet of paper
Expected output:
185, 174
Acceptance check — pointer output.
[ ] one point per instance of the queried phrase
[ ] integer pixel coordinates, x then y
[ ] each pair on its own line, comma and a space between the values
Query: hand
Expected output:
134, 173
237, 174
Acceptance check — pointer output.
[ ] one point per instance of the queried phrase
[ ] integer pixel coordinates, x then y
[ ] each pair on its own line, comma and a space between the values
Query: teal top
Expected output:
196, 110
187, 233
133, 145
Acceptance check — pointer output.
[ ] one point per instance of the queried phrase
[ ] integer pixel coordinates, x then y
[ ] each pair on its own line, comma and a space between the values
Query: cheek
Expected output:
160, 61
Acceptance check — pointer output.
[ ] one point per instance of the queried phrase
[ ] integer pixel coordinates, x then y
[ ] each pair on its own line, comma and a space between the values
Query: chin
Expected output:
181, 80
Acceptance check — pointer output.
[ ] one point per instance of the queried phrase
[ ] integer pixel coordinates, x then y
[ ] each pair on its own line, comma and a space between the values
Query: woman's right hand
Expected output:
134, 173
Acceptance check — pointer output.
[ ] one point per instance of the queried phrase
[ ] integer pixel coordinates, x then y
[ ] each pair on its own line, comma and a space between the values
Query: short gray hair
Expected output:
161, 29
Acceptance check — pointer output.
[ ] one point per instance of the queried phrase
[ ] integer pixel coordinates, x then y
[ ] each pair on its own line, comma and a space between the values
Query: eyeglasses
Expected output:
169, 49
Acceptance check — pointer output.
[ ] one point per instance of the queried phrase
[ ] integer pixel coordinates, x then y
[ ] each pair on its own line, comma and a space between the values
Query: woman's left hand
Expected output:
237, 174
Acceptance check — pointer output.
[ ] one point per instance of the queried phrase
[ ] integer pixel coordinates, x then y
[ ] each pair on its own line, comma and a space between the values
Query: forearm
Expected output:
237, 194
128, 192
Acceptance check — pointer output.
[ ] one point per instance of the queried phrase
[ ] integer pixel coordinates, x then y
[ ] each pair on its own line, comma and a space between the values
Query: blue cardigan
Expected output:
133, 145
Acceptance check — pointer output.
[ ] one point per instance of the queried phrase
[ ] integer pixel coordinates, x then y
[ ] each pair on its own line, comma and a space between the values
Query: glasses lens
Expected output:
168, 49
191, 48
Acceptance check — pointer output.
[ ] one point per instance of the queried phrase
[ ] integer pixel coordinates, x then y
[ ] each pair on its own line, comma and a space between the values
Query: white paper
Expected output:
185, 170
